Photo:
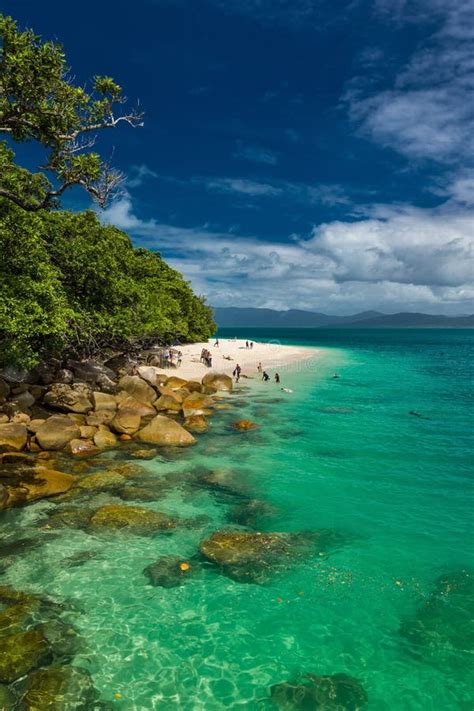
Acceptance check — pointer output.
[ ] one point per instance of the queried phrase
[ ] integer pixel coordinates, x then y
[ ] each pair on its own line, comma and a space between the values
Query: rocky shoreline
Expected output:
87, 408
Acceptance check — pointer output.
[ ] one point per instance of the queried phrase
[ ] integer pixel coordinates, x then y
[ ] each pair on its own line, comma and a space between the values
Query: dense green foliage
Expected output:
39, 102
71, 285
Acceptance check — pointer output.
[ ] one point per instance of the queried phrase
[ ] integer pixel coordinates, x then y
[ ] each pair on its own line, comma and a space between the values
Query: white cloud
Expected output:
243, 186
428, 113
395, 258
139, 174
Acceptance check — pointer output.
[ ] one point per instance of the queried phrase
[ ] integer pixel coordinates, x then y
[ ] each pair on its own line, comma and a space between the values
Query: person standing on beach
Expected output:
180, 359
246, 344
237, 372
265, 376
259, 368
216, 344
251, 345
277, 378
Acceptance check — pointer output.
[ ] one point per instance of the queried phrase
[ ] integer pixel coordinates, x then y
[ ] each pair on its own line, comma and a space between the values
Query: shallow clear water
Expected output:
341, 454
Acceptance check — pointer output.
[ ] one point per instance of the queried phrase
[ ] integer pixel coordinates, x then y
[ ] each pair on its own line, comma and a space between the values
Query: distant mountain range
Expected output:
294, 318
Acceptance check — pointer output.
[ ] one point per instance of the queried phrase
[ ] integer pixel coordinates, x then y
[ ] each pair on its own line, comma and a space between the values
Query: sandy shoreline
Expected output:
272, 356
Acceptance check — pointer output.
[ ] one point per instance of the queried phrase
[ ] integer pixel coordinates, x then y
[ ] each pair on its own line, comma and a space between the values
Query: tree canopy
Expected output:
39, 102
69, 284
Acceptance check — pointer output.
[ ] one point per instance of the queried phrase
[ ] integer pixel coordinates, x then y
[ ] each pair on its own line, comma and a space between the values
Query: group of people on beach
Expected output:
169, 358
249, 345
206, 357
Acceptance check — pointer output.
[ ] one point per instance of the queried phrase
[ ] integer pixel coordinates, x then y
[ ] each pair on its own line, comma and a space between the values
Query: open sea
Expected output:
391, 605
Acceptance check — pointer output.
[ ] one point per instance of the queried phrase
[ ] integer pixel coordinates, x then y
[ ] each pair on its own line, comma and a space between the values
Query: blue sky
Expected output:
311, 154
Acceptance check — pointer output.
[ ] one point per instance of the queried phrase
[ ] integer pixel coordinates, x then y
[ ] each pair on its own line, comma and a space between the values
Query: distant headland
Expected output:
295, 318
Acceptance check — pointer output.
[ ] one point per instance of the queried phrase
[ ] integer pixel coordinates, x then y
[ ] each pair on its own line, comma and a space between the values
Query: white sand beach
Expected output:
229, 353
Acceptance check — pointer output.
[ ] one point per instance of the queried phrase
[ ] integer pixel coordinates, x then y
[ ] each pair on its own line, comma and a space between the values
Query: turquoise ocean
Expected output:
337, 454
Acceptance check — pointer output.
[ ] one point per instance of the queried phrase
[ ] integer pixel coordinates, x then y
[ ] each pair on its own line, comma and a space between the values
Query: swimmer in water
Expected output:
287, 390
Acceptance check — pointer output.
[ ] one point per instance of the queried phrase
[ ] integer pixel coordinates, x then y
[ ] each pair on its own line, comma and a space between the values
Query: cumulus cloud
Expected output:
139, 174
395, 258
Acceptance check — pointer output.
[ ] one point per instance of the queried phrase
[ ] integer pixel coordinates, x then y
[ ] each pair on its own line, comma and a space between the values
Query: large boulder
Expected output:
13, 437
56, 432
24, 484
169, 392
69, 398
166, 402
130, 519
103, 401
218, 381
335, 692
168, 572
126, 422
22, 652
59, 688
142, 408
104, 438
175, 383
196, 404
89, 371
165, 431
138, 389
151, 375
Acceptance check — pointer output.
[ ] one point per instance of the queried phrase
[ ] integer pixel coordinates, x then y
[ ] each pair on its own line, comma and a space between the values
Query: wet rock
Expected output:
101, 481
87, 431
151, 375
24, 484
144, 453
250, 513
70, 518
59, 688
244, 425
130, 519
140, 493
169, 571
193, 386
82, 447
13, 437
196, 404
56, 432
126, 422
196, 423
254, 557
337, 692
138, 389
224, 481
164, 431
69, 398
22, 652
446, 620
218, 381
14, 618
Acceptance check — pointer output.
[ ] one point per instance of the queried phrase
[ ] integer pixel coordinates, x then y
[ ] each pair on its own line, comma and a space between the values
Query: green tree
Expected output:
39, 102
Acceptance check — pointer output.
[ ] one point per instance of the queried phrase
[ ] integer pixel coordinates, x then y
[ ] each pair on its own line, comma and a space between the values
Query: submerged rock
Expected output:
22, 652
196, 423
224, 482
169, 571
253, 557
101, 481
244, 425
24, 483
337, 692
130, 519
446, 620
59, 688
249, 513
70, 518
